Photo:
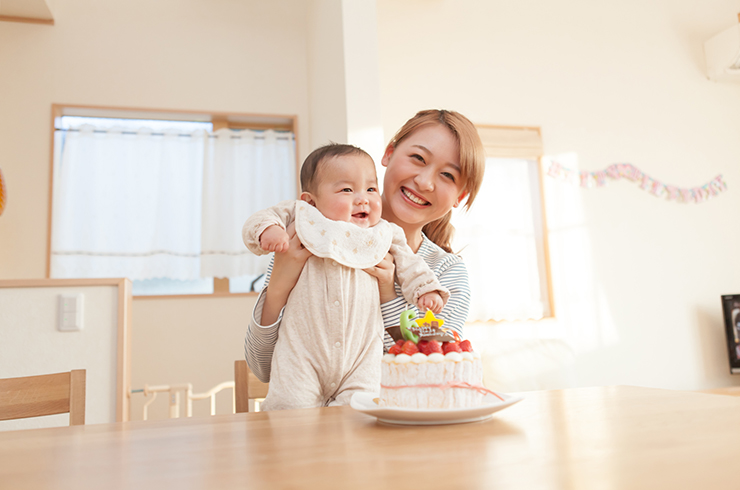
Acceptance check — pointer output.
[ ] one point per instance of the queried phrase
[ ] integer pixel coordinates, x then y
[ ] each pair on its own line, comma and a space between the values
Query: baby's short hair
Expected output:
310, 167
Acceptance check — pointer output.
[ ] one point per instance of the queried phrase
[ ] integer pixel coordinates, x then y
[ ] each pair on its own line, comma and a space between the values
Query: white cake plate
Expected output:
367, 403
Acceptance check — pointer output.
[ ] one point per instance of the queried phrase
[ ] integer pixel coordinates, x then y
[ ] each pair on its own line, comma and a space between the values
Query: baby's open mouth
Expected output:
360, 215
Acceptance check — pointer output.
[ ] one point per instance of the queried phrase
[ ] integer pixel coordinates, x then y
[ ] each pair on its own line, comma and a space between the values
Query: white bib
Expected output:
344, 242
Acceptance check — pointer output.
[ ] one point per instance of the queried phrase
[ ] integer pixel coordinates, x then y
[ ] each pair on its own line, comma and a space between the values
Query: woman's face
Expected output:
422, 179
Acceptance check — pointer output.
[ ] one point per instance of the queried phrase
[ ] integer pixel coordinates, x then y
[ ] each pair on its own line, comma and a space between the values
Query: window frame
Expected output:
219, 120
522, 142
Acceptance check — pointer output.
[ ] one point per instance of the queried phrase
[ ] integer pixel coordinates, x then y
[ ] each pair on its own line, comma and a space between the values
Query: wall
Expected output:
637, 280
360, 41
196, 55
344, 82
284, 57
327, 95
181, 340
192, 55
31, 344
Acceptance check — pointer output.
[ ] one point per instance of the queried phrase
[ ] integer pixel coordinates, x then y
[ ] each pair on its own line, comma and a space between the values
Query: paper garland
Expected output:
630, 172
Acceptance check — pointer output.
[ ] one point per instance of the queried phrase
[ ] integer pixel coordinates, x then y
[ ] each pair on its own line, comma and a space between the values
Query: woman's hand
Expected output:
385, 271
286, 270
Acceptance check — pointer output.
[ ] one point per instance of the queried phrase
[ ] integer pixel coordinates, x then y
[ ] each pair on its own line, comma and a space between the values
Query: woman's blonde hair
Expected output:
472, 163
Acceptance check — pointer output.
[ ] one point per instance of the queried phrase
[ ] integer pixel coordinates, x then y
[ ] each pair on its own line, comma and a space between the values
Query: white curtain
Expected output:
501, 240
147, 205
127, 204
245, 171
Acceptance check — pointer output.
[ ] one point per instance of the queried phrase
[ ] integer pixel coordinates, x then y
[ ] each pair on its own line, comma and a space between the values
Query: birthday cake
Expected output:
429, 367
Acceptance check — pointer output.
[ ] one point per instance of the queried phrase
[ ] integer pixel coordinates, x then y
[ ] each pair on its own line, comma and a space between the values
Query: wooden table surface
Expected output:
586, 438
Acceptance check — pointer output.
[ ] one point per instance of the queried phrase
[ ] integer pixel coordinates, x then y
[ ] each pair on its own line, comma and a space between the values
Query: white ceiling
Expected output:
27, 9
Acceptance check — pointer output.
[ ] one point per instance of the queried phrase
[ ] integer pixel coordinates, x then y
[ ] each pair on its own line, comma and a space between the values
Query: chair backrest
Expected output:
246, 386
49, 394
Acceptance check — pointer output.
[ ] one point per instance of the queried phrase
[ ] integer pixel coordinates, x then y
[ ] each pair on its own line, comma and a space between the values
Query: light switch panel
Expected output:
71, 307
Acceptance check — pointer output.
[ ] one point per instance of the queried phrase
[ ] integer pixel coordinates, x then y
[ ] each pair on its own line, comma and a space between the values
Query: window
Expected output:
161, 200
503, 237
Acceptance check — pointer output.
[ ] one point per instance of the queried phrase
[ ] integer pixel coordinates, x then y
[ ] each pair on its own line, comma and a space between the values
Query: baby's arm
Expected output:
278, 216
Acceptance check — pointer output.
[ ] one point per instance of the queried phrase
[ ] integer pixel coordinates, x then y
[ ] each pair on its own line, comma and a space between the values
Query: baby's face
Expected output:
347, 190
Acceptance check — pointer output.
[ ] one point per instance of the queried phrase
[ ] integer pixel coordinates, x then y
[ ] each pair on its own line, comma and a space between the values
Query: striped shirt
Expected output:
449, 268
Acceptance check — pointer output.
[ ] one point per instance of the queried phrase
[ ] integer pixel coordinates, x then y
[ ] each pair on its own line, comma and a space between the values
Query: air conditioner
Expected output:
723, 55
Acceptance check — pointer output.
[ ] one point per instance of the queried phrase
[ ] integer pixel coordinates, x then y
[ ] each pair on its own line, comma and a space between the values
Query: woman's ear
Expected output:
387, 155
460, 198
306, 196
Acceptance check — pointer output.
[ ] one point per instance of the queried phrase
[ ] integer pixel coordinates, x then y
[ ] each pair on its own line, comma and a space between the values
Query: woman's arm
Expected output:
453, 275
260, 341
413, 273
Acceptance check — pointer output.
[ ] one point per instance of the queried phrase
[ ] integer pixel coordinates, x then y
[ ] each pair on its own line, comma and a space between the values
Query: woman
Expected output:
434, 163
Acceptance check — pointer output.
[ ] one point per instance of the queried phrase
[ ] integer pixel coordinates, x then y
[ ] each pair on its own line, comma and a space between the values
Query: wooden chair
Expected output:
49, 394
246, 386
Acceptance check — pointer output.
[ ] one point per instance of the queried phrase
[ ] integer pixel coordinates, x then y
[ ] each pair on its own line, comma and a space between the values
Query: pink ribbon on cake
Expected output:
454, 384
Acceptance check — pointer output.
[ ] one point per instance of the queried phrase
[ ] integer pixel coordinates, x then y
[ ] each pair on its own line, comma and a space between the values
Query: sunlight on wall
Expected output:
532, 355
503, 235
581, 307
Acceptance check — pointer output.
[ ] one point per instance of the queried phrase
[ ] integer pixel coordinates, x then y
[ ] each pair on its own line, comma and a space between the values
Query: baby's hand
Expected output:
431, 301
274, 239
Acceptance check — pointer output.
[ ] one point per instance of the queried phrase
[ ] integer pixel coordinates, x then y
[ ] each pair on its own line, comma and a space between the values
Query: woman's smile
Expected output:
414, 198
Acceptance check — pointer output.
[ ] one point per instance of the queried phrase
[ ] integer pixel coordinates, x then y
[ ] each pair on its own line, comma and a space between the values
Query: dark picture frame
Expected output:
731, 315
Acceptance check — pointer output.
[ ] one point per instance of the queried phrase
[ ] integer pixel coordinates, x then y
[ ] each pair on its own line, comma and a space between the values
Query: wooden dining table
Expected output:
619, 437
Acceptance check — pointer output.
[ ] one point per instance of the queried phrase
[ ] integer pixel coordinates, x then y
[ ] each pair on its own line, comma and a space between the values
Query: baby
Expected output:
330, 341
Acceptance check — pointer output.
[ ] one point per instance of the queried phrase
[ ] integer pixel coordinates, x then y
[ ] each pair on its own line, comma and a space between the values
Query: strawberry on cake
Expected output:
430, 368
